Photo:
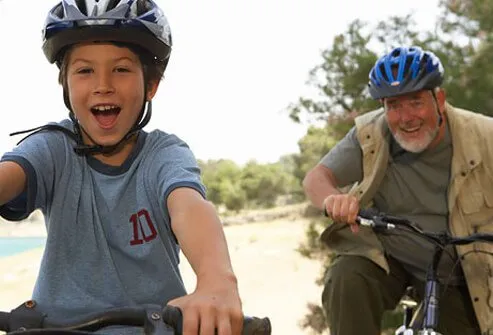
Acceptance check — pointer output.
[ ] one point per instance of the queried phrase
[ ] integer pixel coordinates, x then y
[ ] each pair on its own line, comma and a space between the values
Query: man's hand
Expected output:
215, 304
343, 208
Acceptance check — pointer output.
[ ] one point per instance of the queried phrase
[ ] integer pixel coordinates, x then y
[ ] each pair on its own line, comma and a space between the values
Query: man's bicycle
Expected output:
422, 319
154, 320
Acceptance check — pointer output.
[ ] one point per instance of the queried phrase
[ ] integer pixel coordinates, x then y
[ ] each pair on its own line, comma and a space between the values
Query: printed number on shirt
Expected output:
143, 228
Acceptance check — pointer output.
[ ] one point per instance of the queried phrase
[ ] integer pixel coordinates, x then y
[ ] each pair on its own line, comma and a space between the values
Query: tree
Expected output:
253, 185
222, 180
341, 78
264, 183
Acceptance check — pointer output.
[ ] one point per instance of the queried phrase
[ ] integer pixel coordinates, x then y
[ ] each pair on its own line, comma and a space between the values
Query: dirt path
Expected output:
274, 280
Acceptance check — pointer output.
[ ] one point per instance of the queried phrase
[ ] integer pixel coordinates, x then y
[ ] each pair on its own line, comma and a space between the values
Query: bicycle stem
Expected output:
432, 289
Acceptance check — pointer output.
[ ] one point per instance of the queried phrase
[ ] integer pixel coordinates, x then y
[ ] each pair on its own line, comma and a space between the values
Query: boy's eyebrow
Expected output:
124, 58
114, 61
80, 60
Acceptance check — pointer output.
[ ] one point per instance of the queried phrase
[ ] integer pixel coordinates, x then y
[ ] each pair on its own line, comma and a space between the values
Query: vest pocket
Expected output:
483, 252
476, 197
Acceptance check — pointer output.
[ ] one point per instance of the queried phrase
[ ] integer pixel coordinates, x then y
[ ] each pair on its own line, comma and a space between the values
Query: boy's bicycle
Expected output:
422, 320
154, 320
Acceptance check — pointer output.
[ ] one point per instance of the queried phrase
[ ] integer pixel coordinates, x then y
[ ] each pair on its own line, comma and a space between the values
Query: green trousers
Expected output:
357, 292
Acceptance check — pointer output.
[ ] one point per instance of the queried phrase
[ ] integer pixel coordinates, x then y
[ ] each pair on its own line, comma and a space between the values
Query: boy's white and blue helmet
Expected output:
137, 22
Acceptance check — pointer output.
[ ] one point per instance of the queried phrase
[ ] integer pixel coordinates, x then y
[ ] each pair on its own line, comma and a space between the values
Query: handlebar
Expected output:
26, 320
381, 221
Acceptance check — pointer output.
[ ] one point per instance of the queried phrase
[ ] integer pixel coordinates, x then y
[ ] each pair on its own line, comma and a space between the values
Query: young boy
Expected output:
118, 202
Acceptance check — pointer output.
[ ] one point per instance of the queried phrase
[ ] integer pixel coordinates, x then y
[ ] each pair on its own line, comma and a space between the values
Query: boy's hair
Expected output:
152, 68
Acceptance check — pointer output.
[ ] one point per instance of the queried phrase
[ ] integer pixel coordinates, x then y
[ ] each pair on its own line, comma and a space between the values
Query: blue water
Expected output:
14, 245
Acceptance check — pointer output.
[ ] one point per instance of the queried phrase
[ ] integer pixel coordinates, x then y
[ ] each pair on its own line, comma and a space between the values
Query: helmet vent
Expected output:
384, 72
112, 4
81, 5
424, 60
58, 11
408, 64
396, 53
142, 7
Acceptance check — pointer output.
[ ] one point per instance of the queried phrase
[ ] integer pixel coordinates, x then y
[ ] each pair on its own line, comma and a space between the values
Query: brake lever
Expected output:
376, 223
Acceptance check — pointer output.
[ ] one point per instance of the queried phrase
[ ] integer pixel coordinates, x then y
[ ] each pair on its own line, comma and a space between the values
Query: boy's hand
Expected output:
215, 304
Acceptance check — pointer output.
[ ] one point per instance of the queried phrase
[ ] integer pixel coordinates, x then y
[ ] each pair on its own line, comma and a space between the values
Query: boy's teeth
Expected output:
104, 108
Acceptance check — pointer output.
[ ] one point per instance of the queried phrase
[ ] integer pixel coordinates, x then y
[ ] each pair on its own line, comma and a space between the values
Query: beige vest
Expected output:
470, 199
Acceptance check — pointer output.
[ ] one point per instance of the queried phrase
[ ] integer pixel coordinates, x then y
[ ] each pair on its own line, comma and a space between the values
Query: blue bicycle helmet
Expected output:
138, 22
405, 70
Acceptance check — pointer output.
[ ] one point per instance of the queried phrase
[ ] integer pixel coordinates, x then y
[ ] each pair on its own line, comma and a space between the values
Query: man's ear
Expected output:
441, 98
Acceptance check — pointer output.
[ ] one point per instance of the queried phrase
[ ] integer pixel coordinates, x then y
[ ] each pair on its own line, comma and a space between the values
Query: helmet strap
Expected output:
84, 149
440, 117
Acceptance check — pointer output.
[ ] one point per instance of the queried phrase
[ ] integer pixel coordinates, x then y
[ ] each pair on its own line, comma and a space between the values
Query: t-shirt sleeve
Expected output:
175, 166
41, 156
345, 160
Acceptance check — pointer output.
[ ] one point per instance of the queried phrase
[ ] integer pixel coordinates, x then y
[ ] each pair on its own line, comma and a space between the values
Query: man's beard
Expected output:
416, 145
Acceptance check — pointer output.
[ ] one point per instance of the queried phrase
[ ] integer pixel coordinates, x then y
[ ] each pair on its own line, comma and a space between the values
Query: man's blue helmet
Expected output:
405, 70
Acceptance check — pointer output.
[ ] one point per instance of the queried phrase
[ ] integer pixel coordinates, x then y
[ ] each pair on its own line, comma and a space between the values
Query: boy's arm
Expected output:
12, 181
199, 232
215, 301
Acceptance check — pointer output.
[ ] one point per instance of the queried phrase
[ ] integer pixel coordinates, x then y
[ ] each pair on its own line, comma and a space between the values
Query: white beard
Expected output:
416, 145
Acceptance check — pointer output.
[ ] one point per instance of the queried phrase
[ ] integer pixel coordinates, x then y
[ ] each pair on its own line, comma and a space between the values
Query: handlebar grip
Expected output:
368, 213
173, 317
4, 321
251, 325
256, 326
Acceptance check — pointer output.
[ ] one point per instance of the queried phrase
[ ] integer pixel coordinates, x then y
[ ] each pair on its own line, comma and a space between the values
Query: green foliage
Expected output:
470, 18
254, 185
341, 78
263, 183
312, 146
232, 195
221, 177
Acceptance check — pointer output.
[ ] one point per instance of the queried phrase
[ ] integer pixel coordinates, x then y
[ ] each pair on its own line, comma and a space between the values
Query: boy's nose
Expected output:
104, 85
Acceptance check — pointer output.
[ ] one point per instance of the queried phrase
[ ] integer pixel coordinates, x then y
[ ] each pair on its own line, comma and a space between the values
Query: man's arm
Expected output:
341, 166
12, 181
318, 184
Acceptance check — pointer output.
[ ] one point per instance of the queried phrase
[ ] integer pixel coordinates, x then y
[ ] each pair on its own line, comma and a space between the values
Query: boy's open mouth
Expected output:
106, 115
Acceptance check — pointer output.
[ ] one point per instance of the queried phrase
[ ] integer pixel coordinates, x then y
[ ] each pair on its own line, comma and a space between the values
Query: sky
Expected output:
235, 67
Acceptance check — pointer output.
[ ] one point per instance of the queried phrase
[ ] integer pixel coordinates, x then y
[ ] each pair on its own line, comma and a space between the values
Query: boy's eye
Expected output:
122, 69
84, 70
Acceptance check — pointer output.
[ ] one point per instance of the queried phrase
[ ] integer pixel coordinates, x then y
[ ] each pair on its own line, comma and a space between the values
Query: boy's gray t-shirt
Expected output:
109, 241
415, 186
